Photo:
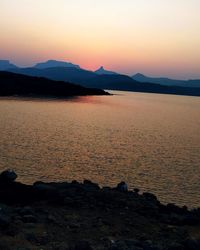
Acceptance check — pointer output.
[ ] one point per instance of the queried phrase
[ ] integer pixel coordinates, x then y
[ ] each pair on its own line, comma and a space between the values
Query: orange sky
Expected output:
154, 37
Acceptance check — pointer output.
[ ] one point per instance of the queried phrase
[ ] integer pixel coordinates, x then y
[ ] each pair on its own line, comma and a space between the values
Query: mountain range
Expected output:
104, 79
166, 81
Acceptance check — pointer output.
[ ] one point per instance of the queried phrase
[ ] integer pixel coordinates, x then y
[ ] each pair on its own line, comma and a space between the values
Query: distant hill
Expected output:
113, 82
166, 81
125, 83
12, 84
5, 64
54, 64
102, 71
193, 83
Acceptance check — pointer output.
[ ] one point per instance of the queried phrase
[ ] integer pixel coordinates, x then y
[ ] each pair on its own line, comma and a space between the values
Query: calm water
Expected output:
150, 141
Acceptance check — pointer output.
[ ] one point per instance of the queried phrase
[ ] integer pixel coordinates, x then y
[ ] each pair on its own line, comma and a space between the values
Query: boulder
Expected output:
8, 176
150, 197
122, 187
90, 185
136, 190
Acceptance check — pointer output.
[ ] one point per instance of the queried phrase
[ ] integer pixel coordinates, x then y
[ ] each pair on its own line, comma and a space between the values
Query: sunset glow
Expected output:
155, 37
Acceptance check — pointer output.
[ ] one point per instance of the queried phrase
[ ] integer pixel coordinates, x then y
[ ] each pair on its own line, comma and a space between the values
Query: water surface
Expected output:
151, 141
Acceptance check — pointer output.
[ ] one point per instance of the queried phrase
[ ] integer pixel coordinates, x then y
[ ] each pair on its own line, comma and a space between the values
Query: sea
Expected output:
150, 141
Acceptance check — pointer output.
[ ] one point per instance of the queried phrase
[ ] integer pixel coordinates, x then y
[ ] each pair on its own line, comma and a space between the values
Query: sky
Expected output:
154, 37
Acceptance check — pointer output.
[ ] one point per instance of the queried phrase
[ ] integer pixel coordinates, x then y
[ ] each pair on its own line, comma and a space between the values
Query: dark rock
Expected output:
5, 220
26, 211
46, 191
122, 186
4, 246
37, 239
172, 208
29, 219
175, 246
185, 208
106, 189
74, 225
68, 201
22, 248
43, 187
91, 185
74, 182
8, 176
60, 246
190, 244
11, 231
4, 208
60, 185
150, 196
81, 245
51, 219
126, 245
136, 190
190, 220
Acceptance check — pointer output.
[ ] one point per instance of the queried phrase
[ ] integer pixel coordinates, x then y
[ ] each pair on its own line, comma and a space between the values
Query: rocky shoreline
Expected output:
83, 216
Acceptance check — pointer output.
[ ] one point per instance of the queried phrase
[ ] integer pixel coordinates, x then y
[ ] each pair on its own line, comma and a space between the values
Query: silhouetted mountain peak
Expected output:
5, 64
139, 75
54, 63
103, 71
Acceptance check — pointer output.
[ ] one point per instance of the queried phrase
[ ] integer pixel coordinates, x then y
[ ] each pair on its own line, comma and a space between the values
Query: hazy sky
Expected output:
155, 37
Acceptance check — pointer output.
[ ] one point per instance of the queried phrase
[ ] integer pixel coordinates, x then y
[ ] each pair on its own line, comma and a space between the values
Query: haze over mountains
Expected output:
104, 79
166, 81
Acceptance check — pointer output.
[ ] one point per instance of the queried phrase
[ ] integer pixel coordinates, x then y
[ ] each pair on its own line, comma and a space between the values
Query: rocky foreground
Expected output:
83, 216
